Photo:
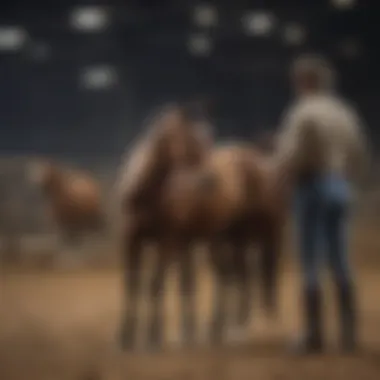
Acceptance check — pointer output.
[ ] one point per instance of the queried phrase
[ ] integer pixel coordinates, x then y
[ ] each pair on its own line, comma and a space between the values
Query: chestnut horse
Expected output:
176, 139
74, 199
175, 189
267, 142
233, 198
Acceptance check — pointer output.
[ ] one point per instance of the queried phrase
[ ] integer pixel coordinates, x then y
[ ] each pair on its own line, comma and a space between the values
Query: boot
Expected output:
347, 312
311, 342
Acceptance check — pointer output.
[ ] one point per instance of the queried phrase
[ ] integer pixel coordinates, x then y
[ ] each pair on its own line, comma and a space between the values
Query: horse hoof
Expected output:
216, 336
188, 343
176, 342
236, 335
203, 339
154, 342
216, 339
186, 340
153, 348
302, 346
125, 341
125, 345
68, 262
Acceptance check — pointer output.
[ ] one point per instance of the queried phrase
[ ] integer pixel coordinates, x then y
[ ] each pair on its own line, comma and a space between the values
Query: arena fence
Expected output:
27, 232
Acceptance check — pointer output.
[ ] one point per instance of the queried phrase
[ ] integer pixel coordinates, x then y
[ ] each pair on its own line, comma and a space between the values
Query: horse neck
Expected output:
165, 166
154, 182
55, 185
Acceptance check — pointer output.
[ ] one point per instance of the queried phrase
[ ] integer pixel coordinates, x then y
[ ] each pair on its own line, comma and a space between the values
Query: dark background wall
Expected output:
46, 108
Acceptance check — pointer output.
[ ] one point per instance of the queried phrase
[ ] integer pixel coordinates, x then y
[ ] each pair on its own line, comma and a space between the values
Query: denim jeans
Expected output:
322, 215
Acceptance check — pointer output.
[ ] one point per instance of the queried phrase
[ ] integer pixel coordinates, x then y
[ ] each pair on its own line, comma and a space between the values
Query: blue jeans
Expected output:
322, 210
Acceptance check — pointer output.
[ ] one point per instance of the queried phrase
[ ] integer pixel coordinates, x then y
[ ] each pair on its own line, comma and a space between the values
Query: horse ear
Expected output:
35, 171
202, 108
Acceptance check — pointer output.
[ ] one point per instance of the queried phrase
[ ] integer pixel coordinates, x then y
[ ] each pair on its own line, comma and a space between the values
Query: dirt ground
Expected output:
63, 325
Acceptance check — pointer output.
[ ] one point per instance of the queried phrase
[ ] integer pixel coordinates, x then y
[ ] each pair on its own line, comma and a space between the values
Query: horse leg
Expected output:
219, 259
269, 262
71, 237
68, 241
132, 253
242, 273
156, 329
188, 293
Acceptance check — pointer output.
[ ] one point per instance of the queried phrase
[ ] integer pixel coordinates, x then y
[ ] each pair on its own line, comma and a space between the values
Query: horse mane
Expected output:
154, 117
137, 148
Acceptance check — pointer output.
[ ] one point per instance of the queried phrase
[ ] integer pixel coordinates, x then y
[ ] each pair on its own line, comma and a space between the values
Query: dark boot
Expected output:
347, 311
311, 342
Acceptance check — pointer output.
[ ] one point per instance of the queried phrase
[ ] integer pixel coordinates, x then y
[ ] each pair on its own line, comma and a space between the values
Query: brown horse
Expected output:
175, 189
175, 140
267, 142
233, 198
74, 199
227, 195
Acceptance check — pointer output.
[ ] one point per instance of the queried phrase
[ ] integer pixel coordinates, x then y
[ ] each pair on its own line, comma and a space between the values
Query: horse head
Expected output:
185, 136
45, 174
174, 139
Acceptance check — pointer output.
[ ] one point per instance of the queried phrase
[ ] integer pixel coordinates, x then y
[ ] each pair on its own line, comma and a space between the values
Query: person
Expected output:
323, 141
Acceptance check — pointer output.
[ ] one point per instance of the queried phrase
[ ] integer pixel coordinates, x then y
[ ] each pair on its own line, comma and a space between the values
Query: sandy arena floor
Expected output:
57, 326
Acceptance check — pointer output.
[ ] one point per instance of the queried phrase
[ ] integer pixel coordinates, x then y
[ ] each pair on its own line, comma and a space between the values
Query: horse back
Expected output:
249, 181
225, 177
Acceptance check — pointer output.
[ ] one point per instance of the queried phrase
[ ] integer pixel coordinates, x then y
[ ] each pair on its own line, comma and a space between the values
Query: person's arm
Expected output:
287, 143
298, 140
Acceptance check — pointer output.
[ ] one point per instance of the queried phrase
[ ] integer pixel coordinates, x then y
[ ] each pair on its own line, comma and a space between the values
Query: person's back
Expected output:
335, 141
322, 145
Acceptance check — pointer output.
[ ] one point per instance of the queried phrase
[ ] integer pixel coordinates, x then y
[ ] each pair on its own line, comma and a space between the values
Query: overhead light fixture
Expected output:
98, 77
205, 16
258, 23
200, 45
12, 38
294, 34
343, 4
89, 19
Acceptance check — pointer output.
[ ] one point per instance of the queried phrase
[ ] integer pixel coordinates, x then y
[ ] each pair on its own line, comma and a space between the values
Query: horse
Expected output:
267, 142
183, 190
175, 138
233, 199
74, 199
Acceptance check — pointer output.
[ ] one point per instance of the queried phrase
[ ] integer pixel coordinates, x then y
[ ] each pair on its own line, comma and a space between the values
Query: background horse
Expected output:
74, 199
176, 138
